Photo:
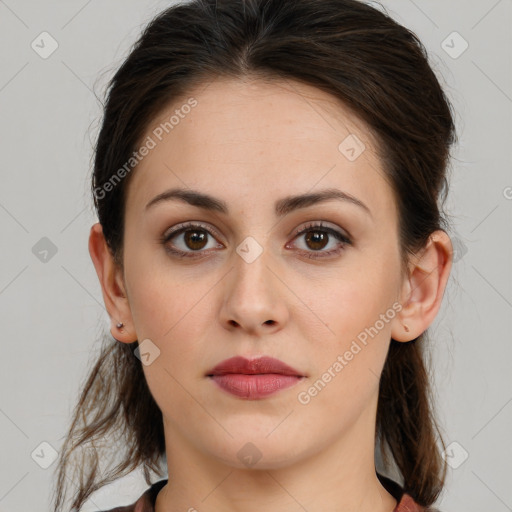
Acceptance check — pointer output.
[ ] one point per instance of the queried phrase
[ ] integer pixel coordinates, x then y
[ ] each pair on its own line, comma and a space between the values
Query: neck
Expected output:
273, 491
338, 477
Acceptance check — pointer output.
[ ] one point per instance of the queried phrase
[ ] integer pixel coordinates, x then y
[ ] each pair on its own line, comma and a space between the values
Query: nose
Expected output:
254, 298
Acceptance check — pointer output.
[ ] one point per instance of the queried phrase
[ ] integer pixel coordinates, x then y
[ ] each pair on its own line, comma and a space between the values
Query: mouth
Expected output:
254, 379
255, 386
260, 366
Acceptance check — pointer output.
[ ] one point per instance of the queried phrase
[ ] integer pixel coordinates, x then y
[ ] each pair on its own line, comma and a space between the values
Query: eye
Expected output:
192, 240
318, 237
195, 237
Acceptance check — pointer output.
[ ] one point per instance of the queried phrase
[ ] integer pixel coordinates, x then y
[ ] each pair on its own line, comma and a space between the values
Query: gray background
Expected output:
52, 311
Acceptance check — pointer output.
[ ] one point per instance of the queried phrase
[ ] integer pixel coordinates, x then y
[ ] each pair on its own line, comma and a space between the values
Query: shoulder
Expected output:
127, 508
146, 502
405, 502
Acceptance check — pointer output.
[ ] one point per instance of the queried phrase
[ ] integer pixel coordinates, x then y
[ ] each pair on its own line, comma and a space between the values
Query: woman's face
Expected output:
258, 277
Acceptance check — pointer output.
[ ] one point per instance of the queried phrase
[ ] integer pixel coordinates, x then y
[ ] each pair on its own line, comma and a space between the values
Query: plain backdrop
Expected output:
51, 305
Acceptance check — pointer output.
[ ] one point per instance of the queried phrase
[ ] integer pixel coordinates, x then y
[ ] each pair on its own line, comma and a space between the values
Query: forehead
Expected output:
258, 137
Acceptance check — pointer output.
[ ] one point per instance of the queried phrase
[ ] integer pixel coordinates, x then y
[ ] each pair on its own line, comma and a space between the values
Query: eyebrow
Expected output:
281, 207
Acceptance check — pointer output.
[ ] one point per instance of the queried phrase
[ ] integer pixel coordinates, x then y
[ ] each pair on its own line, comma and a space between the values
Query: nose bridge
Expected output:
251, 275
252, 299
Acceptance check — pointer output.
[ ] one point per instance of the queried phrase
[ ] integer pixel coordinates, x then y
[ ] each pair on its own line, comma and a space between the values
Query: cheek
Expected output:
162, 309
353, 318
174, 318
172, 309
347, 303
347, 362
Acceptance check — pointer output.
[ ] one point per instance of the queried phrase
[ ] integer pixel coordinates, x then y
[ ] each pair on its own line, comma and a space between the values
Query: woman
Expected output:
271, 250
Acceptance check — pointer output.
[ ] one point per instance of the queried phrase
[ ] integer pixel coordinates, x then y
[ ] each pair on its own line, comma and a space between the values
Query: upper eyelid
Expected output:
295, 232
320, 224
190, 225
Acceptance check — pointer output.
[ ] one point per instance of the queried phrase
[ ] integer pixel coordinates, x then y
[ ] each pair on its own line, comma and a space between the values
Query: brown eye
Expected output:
190, 240
195, 239
316, 240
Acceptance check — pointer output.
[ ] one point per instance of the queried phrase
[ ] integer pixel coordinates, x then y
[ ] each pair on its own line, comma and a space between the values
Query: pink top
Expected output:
146, 503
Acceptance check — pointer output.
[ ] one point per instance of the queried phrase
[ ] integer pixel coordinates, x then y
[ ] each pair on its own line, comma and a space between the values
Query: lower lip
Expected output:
254, 387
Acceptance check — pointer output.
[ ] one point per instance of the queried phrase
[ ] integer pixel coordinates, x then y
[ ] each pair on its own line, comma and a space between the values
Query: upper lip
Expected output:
260, 365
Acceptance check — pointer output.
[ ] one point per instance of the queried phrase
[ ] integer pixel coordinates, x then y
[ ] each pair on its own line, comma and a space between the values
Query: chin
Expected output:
259, 452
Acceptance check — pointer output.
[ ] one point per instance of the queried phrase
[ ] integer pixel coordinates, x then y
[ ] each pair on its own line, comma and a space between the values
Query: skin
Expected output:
251, 143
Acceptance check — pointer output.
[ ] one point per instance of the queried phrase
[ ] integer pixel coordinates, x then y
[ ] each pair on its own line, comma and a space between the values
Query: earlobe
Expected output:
423, 291
111, 280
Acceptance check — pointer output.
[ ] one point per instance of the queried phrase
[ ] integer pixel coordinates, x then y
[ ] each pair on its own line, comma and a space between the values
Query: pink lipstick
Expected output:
254, 379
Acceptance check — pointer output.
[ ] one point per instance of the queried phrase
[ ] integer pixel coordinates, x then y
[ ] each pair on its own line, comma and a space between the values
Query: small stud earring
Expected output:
406, 328
119, 325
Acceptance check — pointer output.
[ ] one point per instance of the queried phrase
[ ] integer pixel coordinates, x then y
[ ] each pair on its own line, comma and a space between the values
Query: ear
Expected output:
423, 289
111, 279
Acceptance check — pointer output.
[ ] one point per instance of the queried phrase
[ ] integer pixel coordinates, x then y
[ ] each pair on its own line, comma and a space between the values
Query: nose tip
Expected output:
251, 297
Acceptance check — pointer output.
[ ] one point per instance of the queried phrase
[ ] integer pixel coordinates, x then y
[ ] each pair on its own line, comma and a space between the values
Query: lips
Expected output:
254, 379
259, 366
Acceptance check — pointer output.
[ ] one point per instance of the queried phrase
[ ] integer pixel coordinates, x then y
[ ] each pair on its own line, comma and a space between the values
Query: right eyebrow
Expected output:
282, 206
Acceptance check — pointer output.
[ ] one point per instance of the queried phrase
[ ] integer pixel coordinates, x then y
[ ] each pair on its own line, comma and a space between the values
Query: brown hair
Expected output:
380, 71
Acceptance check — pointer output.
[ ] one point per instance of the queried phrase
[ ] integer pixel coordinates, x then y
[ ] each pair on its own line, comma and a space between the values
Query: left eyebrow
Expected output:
282, 206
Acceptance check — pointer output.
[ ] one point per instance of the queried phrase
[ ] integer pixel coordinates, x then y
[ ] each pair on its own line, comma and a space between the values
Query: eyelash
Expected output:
319, 227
